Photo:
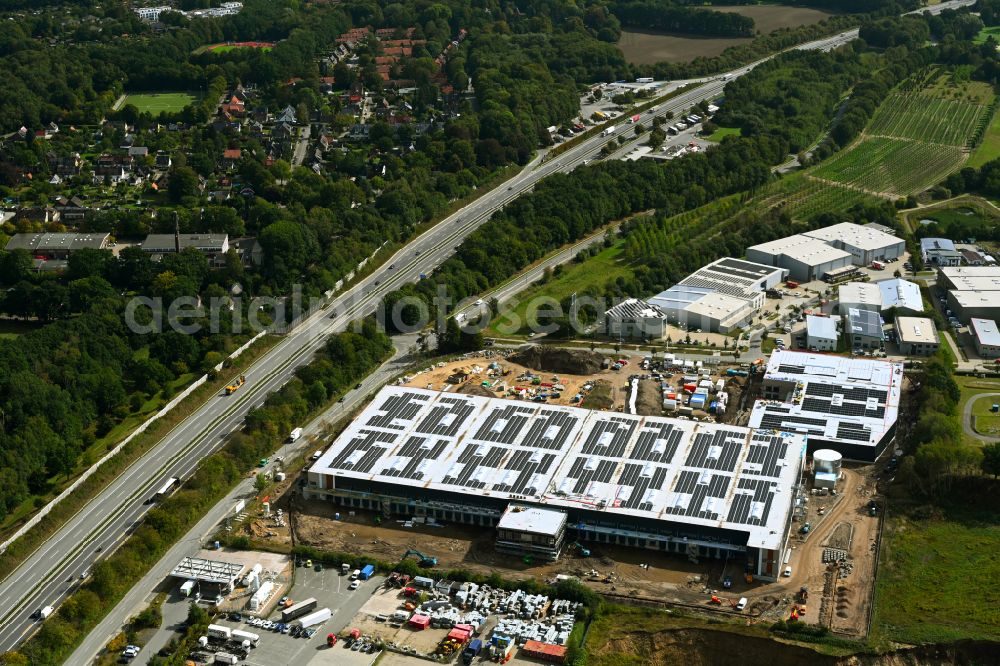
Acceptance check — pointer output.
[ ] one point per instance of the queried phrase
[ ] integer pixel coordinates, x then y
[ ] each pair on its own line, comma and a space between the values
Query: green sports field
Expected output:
156, 103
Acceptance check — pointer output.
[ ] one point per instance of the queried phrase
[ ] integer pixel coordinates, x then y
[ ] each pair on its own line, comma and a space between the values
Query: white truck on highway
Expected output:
43, 613
295, 434
609, 131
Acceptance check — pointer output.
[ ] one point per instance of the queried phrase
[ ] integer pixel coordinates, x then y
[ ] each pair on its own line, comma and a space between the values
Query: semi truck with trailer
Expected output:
297, 610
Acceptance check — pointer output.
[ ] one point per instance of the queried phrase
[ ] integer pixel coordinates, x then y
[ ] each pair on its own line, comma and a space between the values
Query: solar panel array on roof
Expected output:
504, 424
765, 454
588, 470
395, 410
718, 450
854, 431
792, 369
752, 501
446, 418
609, 437
788, 422
519, 476
361, 454
658, 443
412, 460
550, 431
699, 494
475, 464
858, 393
639, 484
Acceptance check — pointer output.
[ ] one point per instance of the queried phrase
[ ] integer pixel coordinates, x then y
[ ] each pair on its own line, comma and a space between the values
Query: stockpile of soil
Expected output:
551, 359
706, 647
472, 388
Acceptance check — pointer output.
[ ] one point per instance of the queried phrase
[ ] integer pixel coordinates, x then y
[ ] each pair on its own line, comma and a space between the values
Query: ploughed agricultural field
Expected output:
646, 47
155, 103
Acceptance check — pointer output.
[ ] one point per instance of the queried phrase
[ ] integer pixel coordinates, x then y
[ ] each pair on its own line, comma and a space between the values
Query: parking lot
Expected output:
330, 589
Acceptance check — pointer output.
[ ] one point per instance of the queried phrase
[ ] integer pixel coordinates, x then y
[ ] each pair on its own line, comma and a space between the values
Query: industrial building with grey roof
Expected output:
810, 255
657, 483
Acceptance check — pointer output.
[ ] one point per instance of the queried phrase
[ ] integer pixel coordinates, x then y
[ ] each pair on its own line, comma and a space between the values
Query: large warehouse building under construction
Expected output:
557, 474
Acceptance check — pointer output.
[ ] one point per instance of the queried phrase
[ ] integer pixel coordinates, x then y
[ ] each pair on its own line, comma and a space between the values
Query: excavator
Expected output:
426, 561
580, 550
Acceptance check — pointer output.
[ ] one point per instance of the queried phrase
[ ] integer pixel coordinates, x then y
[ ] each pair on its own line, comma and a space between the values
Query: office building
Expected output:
917, 336
821, 333
863, 329
987, 338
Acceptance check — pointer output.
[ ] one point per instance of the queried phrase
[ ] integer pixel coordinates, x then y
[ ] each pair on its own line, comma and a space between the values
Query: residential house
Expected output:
72, 210
230, 157
249, 250
65, 165
138, 151
163, 160
287, 115
282, 132
43, 215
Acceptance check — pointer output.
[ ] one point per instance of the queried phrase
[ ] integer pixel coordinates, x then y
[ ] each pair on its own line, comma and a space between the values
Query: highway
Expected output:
50, 573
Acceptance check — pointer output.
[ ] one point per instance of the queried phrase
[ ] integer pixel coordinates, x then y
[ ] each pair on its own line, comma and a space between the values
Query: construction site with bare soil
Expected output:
827, 572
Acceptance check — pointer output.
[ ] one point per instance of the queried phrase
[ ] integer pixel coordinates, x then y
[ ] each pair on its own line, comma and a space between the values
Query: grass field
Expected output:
575, 277
919, 135
987, 421
986, 33
989, 149
937, 578
226, 48
723, 132
155, 103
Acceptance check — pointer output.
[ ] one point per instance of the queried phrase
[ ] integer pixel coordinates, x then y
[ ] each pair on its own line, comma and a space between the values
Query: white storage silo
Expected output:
826, 468
827, 460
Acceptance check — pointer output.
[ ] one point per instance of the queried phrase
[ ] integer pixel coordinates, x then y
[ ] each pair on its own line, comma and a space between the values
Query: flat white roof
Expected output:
985, 331
559, 457
804, 249
968, 298
821, 327
532, 519
717, 305
855, 235
899, 293
835, 398
861, 293
916, 330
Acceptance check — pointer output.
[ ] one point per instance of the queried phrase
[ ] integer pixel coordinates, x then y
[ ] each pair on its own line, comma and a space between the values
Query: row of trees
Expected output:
670, 16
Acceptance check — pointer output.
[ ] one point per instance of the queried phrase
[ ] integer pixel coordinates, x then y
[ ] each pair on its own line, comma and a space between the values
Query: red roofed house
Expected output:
230, 157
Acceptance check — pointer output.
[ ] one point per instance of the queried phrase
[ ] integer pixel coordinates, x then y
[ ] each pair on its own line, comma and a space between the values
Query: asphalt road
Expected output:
50, 573
135, 599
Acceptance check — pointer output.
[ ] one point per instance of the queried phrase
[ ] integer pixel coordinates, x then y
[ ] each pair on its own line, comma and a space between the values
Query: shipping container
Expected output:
471, 652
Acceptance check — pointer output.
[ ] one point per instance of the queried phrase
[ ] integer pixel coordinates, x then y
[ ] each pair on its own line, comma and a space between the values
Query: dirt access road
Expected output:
846, 526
